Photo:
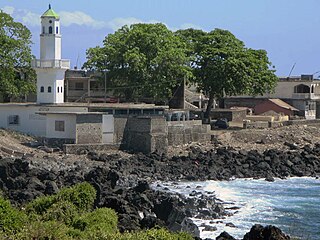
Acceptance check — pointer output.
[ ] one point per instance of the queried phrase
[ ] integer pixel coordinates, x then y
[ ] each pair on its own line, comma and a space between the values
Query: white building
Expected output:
50, 67
301, 92
50, 116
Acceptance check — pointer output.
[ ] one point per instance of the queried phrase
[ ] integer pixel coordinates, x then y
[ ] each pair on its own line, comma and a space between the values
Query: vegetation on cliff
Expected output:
69, 214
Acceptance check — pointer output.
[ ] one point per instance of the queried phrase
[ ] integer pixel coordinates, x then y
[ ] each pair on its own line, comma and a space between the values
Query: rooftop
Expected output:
50, 13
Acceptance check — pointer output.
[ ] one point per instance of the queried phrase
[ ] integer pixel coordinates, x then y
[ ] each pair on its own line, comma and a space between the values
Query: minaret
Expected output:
50, 67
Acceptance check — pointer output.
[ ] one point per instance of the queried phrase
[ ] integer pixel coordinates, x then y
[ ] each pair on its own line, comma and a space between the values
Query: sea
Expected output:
292, 204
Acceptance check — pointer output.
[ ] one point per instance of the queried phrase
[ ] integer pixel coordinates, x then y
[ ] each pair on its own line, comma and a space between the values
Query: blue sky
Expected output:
286, 29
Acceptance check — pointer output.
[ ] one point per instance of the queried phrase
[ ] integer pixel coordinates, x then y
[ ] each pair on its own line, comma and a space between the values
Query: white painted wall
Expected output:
69, 126
29, 122
107, 129
50, 44
53, 77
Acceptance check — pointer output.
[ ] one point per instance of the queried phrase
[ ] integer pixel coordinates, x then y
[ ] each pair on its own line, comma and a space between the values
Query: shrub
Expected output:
155, 234
81, 195
39, 205
11, 219
50, 230
62, 211
99, 224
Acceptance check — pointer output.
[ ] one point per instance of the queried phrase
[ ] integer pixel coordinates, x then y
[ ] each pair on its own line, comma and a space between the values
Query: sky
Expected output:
286, 29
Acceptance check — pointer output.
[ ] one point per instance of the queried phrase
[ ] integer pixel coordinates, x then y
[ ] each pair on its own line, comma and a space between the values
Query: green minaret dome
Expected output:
50, 13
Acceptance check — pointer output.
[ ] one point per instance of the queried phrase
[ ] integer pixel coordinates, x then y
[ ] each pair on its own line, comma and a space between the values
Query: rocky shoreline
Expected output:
122, 183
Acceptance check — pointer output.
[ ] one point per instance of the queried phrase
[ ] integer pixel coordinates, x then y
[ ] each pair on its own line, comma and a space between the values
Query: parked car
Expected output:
222, 123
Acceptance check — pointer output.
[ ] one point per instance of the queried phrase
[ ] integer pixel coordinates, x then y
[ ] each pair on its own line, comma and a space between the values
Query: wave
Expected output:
291, 204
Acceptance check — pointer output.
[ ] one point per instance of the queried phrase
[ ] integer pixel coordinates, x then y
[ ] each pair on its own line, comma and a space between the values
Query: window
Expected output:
61, 89
58, 89
50, 21
59, 126
79, 86
43, 30
57, 30
49, 89
13, 120
50, 30
301, 88
42, 89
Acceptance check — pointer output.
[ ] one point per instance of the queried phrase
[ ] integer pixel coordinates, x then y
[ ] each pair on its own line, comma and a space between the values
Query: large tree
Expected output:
17, 78
141, 60
223, 66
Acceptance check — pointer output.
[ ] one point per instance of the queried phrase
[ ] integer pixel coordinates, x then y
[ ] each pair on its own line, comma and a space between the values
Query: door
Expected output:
107, 129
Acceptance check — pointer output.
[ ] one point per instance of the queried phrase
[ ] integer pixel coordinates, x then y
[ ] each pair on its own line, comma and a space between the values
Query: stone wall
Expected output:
187, 131
236, 115
85, 148
120, 123
145, 134
89, 129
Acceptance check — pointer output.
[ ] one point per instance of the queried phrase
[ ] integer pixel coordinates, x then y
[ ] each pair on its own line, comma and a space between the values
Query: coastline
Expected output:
123, 182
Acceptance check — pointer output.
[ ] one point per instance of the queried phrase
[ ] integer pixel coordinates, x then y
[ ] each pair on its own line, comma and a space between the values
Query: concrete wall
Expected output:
235, 115
88, 128
29, 122
146, 134
85, 148
120, 123
69, 126
187, 131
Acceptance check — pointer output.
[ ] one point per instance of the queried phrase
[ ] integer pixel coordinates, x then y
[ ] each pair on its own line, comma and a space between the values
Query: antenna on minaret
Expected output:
49, 6
292, 69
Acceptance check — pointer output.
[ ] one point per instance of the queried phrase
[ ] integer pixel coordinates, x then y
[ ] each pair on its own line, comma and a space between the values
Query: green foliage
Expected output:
50, 230
61, 211
16, 75
79, 197
141, 60
82, 195
223, 66
40, 205
99, 224
11, 220
155, 234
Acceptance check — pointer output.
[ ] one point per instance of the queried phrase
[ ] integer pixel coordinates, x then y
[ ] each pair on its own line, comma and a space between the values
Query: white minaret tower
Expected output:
50, 67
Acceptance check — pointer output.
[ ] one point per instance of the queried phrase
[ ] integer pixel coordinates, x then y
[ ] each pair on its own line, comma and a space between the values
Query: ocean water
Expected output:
293, 205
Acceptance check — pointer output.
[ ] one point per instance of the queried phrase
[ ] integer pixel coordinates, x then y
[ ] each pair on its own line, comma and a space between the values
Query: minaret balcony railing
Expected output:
61, 63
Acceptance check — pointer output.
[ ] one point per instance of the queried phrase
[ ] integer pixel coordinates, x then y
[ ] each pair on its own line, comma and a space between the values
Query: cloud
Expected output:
189, 25
22, 15
117, 23
8, 9
80, 18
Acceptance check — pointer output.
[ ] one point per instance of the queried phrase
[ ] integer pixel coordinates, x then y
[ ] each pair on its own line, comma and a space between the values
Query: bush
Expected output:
82, 196
40, 205
155, 234
99, 224
50, 230
11, 220
62, 211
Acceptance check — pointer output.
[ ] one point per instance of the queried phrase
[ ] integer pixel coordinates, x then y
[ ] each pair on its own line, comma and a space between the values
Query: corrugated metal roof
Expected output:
282, 104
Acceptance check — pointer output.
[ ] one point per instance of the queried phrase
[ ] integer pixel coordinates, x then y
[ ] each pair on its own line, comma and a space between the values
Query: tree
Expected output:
16, 75
141, 60
223, 66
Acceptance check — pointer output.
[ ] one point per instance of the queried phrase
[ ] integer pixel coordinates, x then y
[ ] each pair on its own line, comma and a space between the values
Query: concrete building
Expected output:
140, 127
275, 105
50, 68
87, 86
303, 93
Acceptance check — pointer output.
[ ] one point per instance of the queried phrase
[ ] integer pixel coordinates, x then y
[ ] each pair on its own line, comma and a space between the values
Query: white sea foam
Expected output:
284, 203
